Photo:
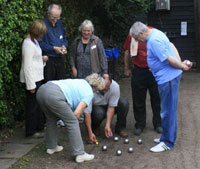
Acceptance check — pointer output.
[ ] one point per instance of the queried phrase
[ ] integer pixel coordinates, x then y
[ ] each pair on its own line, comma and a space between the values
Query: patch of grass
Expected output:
24, 162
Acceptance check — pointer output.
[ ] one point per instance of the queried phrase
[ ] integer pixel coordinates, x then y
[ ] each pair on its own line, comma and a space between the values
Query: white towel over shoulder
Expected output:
133, 47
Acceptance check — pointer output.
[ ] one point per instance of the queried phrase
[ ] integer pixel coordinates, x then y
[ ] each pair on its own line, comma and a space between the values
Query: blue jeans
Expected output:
169, 100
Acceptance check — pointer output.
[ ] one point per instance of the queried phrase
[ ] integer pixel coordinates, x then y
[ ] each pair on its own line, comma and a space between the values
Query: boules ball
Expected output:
188, 63
126, 141
118, 152
116, 138
130, 149
104, 148
139, 141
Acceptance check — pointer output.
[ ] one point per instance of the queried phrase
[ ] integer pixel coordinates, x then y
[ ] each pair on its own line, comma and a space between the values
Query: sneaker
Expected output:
38, 135
55, 150
160, 148
156, 140
138, 131
61, 123
159, 129
84, 157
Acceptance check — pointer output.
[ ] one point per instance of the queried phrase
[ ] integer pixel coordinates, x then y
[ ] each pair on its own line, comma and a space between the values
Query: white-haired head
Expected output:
137, 28
86, 23
96, 81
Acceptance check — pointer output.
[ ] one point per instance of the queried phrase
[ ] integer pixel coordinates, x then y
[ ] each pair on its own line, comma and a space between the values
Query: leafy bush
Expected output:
16, 16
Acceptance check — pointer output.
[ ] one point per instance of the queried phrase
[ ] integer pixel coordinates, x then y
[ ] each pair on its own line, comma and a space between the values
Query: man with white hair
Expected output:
54, 44
165, 63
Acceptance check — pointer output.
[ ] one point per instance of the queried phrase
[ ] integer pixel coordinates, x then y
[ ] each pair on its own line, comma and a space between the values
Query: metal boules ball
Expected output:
126, 141
118, 152
139, 141
130, 149
116, 138
188, 63
104, 148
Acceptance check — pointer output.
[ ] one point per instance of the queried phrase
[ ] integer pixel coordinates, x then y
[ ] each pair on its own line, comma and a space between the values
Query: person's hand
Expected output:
187, 65
45, 58
64, 49
74, 72
77, 115
32, 91
108, 131
127, 72
92, 138
59, 50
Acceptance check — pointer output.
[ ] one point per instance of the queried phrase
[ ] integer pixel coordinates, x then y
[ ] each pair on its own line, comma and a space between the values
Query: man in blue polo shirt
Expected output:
166, 65
54, 45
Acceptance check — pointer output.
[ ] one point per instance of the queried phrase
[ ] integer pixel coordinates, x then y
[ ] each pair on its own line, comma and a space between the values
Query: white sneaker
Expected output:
160, 148
38, 135
156, 140
61, 123
84, 157
55, 150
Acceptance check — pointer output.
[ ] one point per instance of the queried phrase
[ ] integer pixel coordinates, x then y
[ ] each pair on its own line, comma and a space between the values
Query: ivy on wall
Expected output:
15, 18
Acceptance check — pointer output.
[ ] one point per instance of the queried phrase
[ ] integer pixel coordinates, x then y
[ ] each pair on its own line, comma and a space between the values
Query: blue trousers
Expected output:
169, 101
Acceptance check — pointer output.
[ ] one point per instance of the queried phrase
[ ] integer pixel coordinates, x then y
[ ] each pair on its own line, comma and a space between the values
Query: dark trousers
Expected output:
99, 114
34, 116
143, 80
55, 69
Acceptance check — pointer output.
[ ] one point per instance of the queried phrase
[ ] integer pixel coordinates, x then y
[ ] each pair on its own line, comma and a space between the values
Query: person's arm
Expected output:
79, 109
102, 57
178, 64
88, 122
110, 114
28, 51
127, 71
176, 52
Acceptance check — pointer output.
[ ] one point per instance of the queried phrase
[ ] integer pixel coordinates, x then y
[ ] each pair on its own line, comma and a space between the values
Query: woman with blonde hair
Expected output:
66, 100
31, 74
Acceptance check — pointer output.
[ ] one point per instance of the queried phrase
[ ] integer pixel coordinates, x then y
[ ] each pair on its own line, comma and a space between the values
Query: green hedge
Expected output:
15, 17
111, 18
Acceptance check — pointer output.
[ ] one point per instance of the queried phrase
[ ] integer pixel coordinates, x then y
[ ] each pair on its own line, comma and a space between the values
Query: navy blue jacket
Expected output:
55, 36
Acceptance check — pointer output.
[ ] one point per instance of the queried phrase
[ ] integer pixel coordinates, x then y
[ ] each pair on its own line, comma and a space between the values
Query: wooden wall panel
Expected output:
170, 22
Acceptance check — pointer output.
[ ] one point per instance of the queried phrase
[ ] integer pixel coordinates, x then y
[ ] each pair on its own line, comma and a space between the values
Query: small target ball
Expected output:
126, 141
118, 152
97, 143
130, 149
104, 148
139, 141
116, 138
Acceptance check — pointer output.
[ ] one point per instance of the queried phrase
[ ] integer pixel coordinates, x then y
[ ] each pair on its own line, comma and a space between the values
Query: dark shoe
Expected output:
159, 129
122, 133
96, 131
137, 131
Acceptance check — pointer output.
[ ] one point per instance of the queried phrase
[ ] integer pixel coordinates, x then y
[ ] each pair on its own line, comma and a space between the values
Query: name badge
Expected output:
93, 47
61, 37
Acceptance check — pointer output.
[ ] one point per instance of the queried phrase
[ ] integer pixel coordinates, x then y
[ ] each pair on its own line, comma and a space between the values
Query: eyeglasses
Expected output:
54, 17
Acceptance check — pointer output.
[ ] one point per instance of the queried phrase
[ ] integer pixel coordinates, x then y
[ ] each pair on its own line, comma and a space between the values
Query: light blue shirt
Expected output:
75, 90
158, 50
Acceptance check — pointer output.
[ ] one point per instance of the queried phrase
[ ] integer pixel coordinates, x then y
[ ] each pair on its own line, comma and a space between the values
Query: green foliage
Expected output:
115, 17
15, 18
